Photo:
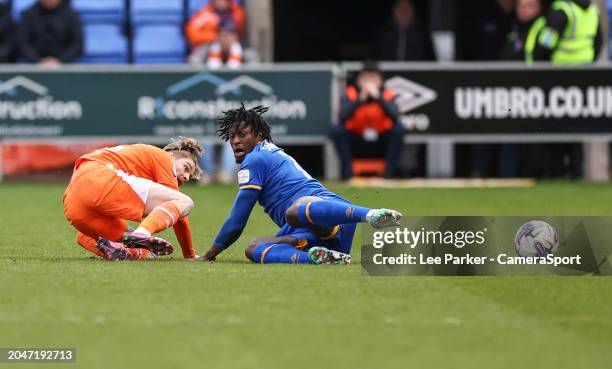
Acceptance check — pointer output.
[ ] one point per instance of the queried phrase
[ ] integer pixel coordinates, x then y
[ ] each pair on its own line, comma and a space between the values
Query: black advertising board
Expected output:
503, 101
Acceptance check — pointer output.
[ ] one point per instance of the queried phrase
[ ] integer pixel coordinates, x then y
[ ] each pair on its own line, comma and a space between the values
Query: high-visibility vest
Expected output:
532, 36
576, 44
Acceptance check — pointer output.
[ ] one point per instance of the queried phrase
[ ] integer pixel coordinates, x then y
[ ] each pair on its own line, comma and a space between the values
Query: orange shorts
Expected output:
100, 198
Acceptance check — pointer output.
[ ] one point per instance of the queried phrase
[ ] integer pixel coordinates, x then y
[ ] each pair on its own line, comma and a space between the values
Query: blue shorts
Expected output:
341, 240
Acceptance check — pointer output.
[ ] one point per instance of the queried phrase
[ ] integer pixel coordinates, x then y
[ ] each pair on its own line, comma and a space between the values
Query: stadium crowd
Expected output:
210, 34
206, 33
561, 32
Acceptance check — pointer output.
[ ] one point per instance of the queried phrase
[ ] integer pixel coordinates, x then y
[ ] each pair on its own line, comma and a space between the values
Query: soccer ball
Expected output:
536, 238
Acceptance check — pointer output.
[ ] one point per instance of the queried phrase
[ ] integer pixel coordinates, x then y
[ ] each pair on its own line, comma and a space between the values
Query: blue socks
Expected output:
330, 213
271, 253
323, 213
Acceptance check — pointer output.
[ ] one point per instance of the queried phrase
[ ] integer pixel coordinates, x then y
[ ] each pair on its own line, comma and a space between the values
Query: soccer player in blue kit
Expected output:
316, 225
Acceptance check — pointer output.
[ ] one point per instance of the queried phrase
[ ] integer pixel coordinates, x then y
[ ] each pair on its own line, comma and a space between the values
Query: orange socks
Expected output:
88, 243
163, 216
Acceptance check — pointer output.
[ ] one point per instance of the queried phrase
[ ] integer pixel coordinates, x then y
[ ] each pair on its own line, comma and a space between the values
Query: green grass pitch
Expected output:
235, 314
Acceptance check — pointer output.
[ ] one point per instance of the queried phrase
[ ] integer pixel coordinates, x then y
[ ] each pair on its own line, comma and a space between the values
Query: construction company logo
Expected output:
24, 99
183, 102
409, 96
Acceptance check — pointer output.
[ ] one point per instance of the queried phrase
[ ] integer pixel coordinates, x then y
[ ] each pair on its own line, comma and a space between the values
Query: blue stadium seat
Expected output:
195, 5
19, 6
158, 44
104, 43
104, 11
156, 11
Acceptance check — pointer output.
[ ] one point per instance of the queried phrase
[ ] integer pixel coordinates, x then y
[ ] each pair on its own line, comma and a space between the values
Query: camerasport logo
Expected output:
22, 98
183, 100
409, 96
533, 102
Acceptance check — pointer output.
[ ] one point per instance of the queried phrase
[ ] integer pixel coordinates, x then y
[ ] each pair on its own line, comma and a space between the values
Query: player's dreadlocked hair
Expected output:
189, 146
251, 118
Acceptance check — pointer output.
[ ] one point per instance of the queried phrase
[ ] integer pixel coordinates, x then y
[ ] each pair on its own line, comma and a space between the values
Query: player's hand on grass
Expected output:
206, 258
211, 254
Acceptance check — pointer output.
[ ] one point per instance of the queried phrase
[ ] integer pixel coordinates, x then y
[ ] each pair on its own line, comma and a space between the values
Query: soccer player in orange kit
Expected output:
133, 182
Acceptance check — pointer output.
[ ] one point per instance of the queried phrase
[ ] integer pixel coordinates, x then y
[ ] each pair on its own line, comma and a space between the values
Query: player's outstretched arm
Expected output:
234, 224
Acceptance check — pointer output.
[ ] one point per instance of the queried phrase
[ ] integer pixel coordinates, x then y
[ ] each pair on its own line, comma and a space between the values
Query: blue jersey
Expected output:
280, 179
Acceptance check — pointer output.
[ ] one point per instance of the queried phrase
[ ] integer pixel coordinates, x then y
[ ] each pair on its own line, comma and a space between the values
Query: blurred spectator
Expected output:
7, 35
225, 51
50, 33
523, 36
226, 174
404, 37
368, 123
504, 159
214, 34
572, 35
203, 27
481, 29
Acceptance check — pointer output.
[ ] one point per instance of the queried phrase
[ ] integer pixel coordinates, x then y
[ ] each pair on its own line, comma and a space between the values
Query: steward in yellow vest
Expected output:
572, 33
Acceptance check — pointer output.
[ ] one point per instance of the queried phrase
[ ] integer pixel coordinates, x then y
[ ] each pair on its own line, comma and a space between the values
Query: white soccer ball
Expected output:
536, 238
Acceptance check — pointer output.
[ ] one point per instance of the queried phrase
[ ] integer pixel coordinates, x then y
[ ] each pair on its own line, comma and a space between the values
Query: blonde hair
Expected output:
187, 146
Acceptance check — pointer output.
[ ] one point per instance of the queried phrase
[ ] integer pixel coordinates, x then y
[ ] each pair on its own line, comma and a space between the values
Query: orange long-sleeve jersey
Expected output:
202, 28
369, 114
149, 162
